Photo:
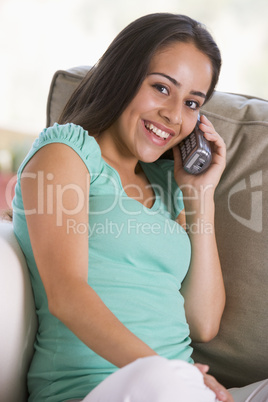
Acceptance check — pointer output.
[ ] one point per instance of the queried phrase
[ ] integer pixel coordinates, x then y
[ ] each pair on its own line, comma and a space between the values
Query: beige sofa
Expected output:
239, 353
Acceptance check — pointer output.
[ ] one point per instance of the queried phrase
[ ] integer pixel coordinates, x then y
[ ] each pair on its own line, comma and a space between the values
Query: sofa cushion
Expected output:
238, 355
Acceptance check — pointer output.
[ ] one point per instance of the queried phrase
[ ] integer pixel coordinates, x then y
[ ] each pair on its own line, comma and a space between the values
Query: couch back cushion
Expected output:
62, 86
238, 355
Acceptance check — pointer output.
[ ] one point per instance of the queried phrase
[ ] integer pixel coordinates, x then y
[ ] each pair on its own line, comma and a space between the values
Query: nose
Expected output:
171, 112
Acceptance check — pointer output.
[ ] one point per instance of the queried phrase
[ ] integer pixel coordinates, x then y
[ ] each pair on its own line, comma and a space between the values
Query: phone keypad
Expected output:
187, 145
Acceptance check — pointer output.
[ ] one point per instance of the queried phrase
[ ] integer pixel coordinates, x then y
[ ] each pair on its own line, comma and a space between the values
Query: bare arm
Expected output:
62, 255
203, 287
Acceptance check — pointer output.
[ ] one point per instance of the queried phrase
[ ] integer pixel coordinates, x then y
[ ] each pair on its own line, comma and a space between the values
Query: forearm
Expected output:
203, 287
83, 312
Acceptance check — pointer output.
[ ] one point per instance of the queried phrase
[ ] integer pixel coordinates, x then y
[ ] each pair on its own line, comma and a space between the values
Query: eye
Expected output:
193, 105
161, 88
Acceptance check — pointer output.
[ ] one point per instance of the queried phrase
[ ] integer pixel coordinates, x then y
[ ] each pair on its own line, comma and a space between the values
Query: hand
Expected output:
221, 393
212, 175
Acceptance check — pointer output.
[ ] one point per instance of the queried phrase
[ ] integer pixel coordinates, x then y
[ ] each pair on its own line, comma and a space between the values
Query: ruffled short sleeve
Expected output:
75, 137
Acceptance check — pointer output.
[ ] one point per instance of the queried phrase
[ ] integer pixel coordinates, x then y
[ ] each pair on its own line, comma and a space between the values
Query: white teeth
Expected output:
157, 131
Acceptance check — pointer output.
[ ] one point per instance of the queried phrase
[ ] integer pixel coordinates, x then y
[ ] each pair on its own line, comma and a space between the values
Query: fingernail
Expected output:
206, 368
222, 395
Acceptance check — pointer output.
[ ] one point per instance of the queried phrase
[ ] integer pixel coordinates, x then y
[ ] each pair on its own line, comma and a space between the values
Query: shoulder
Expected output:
54, 181
67, 144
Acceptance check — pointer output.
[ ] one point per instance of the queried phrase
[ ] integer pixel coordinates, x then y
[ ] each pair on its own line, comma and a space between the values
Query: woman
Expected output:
120, 287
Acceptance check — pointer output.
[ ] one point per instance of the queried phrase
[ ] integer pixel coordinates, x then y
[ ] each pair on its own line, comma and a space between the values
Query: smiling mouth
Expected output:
159, 133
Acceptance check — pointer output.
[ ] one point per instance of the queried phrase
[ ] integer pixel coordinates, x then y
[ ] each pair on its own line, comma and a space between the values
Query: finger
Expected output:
202, 367
205, 121
209, 131
221, 393
207, 127
212, 136
218, 143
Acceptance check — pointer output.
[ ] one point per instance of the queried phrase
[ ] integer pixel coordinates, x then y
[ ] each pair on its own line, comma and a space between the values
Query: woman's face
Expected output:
166, 107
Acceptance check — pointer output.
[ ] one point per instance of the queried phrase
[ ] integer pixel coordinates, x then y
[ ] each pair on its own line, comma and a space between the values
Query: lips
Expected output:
158, 131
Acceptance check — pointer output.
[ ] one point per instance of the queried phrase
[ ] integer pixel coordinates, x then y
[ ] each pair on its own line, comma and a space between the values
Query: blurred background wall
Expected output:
38, 37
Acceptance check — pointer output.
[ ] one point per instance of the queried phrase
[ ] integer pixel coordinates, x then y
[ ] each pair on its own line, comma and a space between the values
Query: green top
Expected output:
138, 258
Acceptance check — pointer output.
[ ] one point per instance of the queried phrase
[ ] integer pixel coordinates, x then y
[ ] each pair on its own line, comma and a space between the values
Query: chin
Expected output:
149, 157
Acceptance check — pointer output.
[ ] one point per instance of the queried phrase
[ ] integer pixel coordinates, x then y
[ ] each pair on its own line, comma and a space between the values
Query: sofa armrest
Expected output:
18, 318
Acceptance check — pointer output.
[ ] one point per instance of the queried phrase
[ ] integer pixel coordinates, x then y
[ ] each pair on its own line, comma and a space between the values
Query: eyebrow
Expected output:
177, 84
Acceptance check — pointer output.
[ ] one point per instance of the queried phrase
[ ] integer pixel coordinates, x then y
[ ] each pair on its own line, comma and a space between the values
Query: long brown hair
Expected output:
113, 82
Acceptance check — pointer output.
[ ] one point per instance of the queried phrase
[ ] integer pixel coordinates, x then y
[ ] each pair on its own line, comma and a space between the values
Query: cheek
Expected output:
186, 130
144, 102
189, 125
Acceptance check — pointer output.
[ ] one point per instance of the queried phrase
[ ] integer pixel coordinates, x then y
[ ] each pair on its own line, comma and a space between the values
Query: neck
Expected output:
115, 154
